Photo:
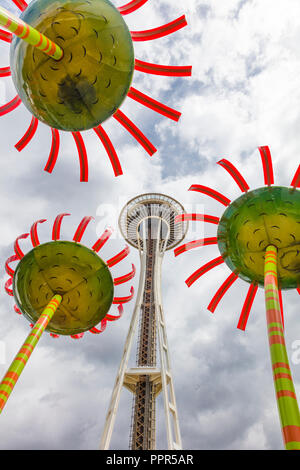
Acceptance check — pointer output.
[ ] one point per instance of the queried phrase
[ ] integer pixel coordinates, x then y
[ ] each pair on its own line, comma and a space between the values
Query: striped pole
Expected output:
18, 364
283, 382
16, 26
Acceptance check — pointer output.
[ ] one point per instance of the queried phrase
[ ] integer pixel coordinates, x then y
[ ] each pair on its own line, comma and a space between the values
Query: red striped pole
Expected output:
18, 364
24, 31
283, 382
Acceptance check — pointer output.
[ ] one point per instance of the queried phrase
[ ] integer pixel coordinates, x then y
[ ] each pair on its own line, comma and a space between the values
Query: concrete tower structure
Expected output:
147, 222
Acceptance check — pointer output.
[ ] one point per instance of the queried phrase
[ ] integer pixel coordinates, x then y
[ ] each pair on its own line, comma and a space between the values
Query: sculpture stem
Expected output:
18, 364
283, 382
16, 26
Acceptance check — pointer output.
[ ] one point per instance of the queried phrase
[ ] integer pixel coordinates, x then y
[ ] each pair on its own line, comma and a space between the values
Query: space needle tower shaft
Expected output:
147, 222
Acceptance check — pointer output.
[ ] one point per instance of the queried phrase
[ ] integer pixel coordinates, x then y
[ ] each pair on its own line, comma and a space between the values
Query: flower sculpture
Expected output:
258, 238
72, 64
62, 287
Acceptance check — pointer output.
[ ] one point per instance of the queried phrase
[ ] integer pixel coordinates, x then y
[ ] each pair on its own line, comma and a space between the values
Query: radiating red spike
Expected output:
102, 240
198, 217
119, 257
81, 229
247, 307
8, 285
5, 72
153, 104
126, 277
5, 36
17, 310
296, 180
236, 175
52, 159
210, 192
96, 331
165, 70
159, 32
281, 306
8, 269
18, 250
135, 132
78, 336
123, 300
267, 164
33, 232
298, 290
110, 150
53, 335
21, 4
84, 172
57, 225
29, 134
194, 244
221, 292
9, 107
204, 269
109, 317
131, 6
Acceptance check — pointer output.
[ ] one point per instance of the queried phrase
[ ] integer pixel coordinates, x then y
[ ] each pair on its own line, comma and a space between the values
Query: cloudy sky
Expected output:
244, 93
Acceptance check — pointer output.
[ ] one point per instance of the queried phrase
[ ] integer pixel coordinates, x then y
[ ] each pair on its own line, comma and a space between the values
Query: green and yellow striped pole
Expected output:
18, 364
283, 382
16, 26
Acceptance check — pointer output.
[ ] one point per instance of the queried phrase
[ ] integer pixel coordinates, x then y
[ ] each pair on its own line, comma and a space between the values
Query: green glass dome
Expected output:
257, 219
92, 79
71, 270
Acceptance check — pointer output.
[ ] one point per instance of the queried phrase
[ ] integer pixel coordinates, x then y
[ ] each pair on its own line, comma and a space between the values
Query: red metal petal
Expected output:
123, 300
96, 331
33, 232
17, 310
18, 250
8, 269
247, 307
204, 269
135, 132
194, 244
115, 317
165, 70
5, 72
296, 180
236, 175
84, 172
267, 164
29, 134
110, 150
8, 107
211, 192
131, 6
8, 285
119, 257
78, 336
52, 159
21, 4
57, 226
126, 277
5, 36
53, 335
161, 31
221, 292
153, 104
102, 240
81, 228
198, 217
